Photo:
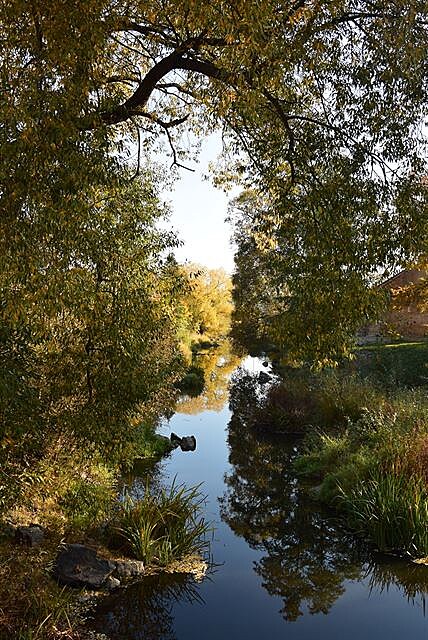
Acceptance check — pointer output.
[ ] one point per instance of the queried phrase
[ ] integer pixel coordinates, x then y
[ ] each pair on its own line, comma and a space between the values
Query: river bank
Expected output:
282, 562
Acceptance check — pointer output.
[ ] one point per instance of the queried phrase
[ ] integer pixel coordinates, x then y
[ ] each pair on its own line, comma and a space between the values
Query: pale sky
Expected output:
199, 211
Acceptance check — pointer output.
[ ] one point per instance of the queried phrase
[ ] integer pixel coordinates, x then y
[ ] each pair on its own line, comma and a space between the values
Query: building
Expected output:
404, 321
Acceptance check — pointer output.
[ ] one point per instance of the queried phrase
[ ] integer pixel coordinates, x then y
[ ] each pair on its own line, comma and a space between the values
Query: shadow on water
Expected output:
145, 610
302, 555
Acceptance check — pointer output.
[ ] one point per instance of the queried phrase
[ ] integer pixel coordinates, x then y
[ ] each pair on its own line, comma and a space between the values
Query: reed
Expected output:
162, 527
392, 510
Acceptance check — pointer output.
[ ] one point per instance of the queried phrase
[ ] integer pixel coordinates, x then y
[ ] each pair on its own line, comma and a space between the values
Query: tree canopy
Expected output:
321, 104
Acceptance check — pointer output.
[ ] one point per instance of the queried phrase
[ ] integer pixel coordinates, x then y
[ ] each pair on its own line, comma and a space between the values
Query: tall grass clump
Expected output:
162, 527
392, 510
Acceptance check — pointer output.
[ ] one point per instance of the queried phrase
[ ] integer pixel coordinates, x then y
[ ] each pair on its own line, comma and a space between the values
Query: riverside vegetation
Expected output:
365, 440
69, 485
94, 317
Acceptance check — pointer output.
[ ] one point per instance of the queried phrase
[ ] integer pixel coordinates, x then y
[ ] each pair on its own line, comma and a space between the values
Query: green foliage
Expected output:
313, 125
100, 337
163, 527
151, 444
392, 510
403, 364
193, 382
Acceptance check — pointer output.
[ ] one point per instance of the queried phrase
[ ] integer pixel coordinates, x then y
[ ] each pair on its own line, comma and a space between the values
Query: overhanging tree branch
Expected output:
175, 61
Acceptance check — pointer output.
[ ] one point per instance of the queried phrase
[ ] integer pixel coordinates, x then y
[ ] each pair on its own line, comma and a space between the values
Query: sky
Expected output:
199, 211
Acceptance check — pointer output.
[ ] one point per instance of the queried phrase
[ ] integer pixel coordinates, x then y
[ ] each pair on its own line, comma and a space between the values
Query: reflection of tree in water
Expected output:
144, 611
217, 365
307, 558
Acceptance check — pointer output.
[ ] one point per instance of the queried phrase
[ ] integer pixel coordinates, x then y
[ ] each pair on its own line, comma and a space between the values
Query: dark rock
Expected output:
175, 440
264, 377
79, 566
29, 536
188, 443
129, 568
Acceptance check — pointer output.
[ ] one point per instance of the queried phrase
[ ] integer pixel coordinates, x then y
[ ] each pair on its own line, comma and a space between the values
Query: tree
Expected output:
323, 102
207, 305
97, 311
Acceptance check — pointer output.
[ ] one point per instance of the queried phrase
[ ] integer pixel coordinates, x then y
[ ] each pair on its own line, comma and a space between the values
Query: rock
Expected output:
30, 536
264, 377
111, 583
175, 440
188, 443
129, 568
79, 566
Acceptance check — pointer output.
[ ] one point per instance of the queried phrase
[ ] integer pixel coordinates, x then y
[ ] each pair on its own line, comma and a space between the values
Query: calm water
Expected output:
283, 569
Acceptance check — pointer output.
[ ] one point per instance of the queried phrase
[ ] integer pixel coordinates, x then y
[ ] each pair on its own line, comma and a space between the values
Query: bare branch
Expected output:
174, 153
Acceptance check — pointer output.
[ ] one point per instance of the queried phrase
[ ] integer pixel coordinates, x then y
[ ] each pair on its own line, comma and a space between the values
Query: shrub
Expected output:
396, 365
193, 382
327, 399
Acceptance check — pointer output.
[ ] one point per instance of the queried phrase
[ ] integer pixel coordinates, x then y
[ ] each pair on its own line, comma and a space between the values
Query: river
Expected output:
282, 567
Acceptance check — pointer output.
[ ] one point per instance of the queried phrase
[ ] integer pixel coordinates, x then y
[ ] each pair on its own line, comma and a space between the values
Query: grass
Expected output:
71, 493
366, 440
392, 510
161, 527
396, 364
32, 605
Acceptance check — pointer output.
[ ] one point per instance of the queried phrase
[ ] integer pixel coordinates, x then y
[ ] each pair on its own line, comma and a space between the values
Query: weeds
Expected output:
376, 463
160, 528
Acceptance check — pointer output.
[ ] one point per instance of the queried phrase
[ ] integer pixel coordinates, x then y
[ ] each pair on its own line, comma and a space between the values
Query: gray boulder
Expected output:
111, 583
79, 566
129, 568
29, 536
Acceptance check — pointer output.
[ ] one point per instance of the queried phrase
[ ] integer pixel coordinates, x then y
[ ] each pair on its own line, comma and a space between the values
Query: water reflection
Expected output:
410, 578
217, 365
306, 555
146, 611
272, 540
